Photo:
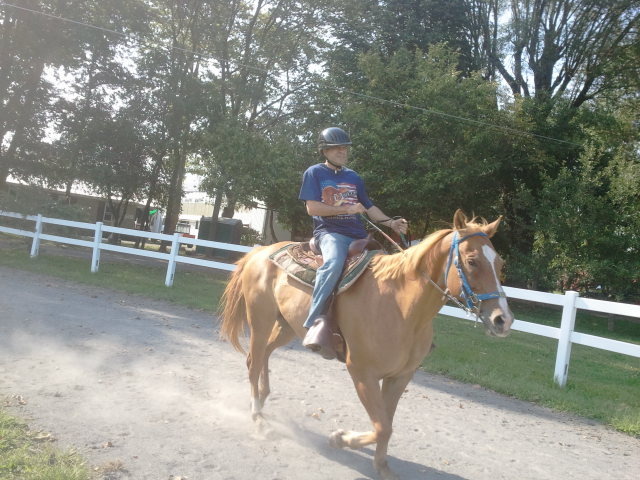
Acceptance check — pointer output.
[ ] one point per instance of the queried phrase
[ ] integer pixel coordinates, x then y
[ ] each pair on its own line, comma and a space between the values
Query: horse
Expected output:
385, 317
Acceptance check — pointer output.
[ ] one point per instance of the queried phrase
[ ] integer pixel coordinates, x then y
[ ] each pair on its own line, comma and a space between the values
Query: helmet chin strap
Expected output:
338, 167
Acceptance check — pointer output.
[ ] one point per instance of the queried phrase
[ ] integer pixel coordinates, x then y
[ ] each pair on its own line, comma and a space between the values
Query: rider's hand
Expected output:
399, 225
355, 209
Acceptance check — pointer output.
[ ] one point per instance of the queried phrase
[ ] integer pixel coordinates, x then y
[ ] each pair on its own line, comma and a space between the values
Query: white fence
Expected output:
570, 301
97, 230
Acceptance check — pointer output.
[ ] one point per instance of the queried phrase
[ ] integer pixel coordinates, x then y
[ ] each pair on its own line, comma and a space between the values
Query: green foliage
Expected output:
363, 26
586, 222
28, 455
39, 47
420, 161
32, 201
250, 237
232, 161
557, 50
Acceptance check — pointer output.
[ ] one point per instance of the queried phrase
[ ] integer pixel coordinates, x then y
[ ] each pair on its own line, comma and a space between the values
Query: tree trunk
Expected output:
174, 203
4, 174
274, 238
213, 229
153, 186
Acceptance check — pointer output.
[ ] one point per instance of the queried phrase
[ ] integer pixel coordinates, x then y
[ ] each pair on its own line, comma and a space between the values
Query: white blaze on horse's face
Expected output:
491, 256
500, 317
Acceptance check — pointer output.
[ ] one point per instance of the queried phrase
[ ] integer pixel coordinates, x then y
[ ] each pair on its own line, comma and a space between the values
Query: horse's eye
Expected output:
471, 262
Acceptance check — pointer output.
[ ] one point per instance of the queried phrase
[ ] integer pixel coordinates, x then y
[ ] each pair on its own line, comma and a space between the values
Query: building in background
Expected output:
196, 205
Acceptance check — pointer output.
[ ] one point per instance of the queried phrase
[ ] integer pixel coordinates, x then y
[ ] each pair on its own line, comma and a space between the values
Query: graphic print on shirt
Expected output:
338, 194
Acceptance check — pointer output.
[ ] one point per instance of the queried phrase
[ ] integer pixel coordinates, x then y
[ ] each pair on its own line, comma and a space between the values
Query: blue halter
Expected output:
471, 299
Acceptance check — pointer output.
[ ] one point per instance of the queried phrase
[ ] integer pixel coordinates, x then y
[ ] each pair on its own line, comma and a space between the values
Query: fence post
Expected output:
97, 240
171, 268
564, 341
35, 245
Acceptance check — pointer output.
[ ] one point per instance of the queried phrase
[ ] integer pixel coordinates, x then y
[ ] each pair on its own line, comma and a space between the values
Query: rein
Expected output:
383, 234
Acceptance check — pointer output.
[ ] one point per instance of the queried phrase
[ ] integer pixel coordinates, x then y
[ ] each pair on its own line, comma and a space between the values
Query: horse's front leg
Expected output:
372, 399
392, 390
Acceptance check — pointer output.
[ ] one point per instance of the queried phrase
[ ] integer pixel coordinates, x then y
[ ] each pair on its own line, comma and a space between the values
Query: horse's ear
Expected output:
492, 228
459, 220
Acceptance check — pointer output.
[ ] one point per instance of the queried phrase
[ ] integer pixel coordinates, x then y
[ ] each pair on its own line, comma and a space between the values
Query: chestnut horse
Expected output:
385, 317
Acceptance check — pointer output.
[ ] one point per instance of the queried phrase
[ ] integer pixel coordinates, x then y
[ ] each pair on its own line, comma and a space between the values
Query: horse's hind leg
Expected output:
255, 363
280, 336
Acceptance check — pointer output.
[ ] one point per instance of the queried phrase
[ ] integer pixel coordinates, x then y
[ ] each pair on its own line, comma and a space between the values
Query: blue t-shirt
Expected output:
343, 187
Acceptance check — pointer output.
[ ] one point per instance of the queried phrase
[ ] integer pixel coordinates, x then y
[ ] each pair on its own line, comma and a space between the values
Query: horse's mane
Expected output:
389, 267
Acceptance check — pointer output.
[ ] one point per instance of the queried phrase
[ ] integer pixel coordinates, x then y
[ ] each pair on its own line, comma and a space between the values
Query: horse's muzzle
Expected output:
498, 322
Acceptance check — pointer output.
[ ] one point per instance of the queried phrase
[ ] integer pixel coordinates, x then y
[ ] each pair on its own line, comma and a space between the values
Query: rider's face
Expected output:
337, 155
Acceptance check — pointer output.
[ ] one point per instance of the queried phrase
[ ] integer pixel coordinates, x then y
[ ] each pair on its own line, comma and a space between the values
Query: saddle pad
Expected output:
300, 263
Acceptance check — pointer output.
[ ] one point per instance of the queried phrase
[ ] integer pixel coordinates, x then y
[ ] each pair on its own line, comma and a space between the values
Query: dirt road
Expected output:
146, 390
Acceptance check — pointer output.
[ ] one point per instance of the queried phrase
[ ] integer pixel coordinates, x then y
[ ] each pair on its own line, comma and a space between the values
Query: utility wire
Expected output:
207, 56
102, 29
453, 117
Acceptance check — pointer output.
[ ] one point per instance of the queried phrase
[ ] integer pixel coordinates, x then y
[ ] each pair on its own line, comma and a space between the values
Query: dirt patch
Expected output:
146, 390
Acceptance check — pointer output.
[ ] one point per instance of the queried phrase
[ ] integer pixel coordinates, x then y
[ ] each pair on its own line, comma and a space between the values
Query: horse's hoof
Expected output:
389, 475
263, 430
336, 441
386, 473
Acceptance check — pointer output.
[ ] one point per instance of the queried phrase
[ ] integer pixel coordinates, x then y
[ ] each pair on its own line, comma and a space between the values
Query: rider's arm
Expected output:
399, 224
320, 209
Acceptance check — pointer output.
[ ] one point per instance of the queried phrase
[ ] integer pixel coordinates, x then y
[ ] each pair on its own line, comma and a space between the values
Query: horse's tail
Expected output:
233, 307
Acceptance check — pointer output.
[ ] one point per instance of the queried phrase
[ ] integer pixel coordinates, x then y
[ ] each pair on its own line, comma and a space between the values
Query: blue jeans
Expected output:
334, 248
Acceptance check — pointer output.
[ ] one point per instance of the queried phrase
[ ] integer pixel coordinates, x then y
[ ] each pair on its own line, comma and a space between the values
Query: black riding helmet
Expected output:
332, 137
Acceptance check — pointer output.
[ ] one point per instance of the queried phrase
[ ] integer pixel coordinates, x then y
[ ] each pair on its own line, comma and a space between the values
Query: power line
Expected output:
454, 117
102, 29
208, 56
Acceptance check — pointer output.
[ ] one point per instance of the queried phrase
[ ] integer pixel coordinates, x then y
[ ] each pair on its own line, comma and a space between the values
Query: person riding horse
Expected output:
335, 196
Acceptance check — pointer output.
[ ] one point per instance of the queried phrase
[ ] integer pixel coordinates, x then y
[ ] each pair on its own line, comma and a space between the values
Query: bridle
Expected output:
472, 301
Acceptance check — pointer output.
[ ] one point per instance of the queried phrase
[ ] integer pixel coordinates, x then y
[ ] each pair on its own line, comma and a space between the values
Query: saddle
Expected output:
301, 260
357, 247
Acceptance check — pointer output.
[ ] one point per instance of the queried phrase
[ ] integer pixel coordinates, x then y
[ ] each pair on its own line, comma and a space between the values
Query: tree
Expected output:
172, 74
34, 46
29, 43
114, 161
586, 223
558, 49
386, 26
263, 53
415, 157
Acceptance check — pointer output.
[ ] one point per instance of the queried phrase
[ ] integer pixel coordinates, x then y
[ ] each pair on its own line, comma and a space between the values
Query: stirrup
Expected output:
319, 338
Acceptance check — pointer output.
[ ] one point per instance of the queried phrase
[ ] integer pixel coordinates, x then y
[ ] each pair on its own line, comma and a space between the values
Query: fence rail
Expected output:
570, 301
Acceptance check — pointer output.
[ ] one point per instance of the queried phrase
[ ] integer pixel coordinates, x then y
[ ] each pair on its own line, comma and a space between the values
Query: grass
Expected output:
191, 289
602, 385
28, 455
